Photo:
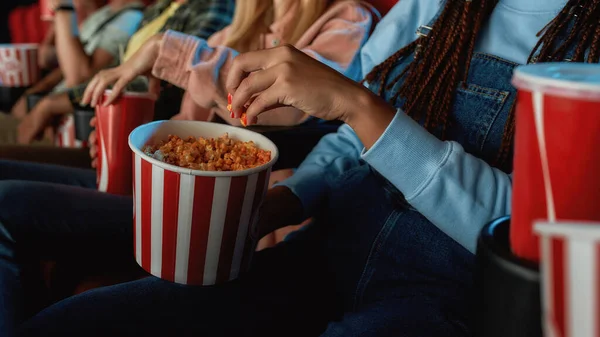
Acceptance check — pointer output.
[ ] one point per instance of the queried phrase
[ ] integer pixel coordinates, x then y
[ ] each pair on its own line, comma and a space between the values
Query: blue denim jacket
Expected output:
447, 182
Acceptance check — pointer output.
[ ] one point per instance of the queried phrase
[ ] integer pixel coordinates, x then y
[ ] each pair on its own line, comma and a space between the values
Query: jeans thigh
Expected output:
54, 219
282, 295
19, 170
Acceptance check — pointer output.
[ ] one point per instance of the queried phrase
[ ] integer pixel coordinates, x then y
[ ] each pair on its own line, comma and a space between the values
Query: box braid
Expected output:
443, 57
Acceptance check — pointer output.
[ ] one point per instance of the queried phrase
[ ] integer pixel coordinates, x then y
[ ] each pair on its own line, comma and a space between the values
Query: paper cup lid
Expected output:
569, 79
581, 230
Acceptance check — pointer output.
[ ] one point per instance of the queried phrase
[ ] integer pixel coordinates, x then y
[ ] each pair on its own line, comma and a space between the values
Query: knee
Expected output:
13, 204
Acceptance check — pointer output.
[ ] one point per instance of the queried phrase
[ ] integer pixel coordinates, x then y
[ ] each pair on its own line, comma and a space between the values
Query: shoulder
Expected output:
128, 20
350, 10
397, 29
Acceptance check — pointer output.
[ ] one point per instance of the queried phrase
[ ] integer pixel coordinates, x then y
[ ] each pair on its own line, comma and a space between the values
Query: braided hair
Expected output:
442, 60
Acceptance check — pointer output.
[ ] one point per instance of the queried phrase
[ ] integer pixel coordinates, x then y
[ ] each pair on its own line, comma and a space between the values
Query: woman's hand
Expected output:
139, 64
285, 76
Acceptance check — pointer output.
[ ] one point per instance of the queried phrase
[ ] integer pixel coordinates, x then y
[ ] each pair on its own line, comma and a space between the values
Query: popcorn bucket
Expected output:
570, 254
190, 226
114, 124
19, 65
46, 11
557, 160
65, 135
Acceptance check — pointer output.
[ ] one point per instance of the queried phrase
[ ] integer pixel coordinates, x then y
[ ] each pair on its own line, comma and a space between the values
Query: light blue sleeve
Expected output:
333, 155
396, 30
456, 191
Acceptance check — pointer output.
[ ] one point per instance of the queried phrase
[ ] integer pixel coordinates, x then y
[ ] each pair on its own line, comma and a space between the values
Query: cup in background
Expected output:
19, 65
570, 261
114, 124
556, 161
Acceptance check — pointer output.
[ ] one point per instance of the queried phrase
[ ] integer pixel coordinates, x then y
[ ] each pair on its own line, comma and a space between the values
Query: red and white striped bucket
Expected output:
65, 134
195, 227
570, 257
19, 65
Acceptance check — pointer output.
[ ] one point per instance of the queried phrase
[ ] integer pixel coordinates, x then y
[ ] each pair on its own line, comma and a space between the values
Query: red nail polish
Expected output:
232, 115
229, 98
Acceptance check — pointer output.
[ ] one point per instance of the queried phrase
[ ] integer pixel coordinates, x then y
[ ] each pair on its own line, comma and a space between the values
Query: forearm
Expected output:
47, 83
368, 115
73, 61
453, 189
57, 104
190, 63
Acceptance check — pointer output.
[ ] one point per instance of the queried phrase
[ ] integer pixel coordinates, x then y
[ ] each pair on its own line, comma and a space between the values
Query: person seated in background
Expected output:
81, 52
330, 31
195, 17
399, 194
47, 57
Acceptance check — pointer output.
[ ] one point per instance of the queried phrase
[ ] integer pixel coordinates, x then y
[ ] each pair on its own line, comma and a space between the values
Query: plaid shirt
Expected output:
200, 18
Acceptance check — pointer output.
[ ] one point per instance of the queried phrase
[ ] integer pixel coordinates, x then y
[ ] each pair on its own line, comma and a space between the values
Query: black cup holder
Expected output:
82, 117
507, 289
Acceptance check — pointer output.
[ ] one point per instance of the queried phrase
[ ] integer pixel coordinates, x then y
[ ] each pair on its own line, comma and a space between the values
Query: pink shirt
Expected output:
201, 67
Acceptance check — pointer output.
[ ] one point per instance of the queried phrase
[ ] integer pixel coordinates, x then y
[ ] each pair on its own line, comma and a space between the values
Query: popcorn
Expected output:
220, 154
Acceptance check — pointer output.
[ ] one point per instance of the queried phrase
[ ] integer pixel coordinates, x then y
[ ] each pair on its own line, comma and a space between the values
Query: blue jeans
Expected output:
368, 266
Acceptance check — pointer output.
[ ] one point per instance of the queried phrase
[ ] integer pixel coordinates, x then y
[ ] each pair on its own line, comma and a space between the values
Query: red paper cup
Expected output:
19, 65
557, 160
114, 124
46, 11
570, 254
195, 227
65, 135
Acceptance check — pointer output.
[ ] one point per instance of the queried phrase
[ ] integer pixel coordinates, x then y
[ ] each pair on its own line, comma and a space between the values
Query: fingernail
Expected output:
229, 99
232, 116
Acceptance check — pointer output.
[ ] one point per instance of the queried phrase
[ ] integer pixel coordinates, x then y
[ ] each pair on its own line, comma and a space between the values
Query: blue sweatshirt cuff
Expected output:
420, 153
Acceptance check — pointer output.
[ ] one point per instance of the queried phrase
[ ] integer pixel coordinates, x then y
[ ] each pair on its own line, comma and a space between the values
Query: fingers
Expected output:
92, 138
92, 144
102, 81
251, 86
247, 63
93, 152
116, 91
95, 163
93, 123
89, 90
269, 99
